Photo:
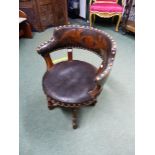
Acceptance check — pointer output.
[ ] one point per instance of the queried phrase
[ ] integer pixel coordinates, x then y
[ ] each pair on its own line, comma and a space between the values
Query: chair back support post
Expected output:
48, 61
70, 54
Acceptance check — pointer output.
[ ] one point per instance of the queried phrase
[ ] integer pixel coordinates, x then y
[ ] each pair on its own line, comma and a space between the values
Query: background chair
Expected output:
73, 83
106, 9
24, 26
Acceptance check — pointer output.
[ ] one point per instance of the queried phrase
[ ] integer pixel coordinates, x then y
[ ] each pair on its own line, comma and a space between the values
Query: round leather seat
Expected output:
70, 81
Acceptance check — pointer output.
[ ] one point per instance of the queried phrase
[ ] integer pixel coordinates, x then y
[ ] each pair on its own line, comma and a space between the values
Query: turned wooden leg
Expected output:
118, 22
74, 118
90, 19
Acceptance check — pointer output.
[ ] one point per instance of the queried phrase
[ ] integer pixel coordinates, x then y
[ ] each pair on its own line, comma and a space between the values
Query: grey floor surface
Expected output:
106, 129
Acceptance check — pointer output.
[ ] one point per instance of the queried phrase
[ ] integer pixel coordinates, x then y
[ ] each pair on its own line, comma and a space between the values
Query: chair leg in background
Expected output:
27, 30
90, 19
118, 22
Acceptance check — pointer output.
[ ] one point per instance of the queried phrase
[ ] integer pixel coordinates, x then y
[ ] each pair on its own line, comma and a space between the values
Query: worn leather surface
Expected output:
70, 81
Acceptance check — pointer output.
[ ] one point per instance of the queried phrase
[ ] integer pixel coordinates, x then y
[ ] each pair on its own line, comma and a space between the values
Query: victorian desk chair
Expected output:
73, 83
106, 9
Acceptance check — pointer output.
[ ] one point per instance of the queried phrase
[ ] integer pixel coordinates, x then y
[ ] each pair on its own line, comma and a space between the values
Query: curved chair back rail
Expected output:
97, 41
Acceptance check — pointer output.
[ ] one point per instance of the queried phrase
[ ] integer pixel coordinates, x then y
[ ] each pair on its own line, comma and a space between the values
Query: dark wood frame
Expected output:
94, 40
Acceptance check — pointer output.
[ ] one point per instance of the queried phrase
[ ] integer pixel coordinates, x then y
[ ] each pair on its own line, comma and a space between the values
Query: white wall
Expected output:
83, 8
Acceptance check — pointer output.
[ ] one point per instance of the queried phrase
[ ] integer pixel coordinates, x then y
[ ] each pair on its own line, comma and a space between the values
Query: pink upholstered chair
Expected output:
106, 9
